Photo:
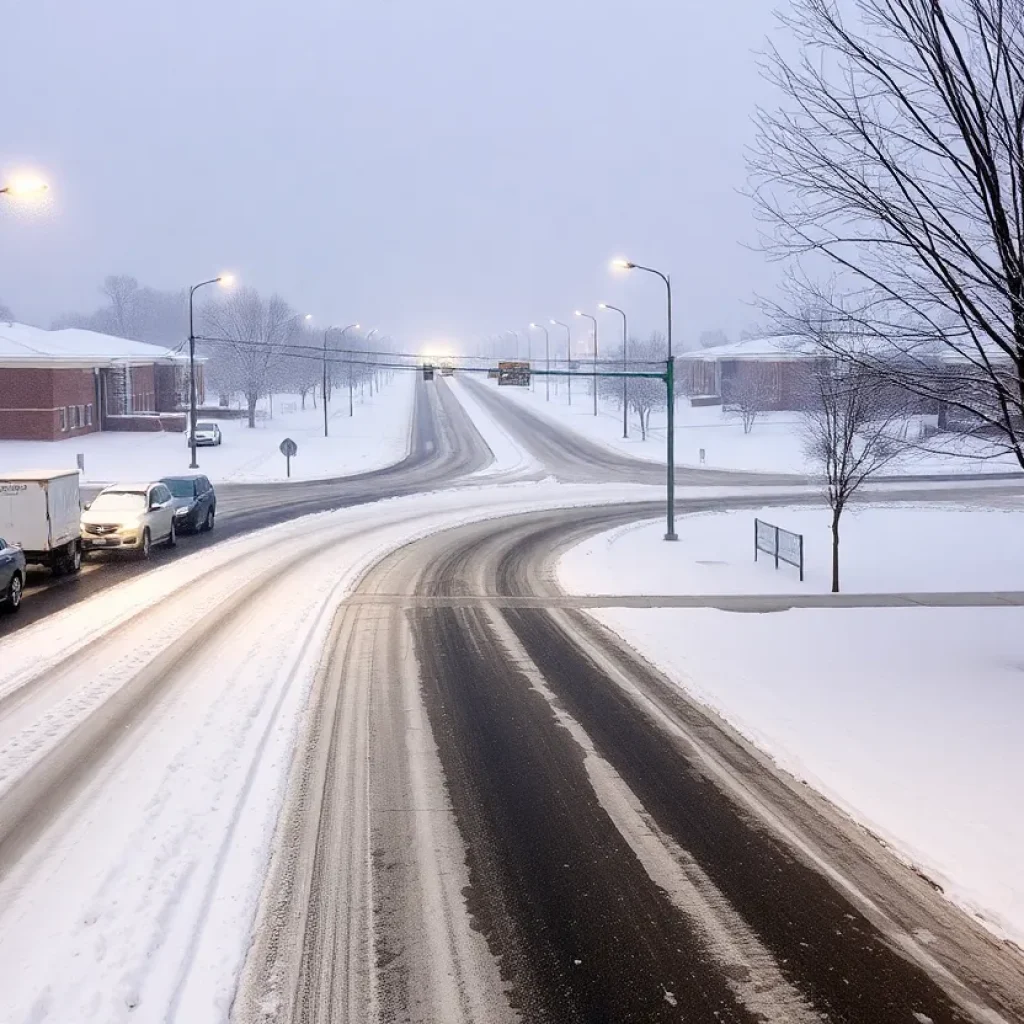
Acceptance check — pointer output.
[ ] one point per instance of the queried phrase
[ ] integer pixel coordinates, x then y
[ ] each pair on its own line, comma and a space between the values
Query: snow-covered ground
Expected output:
940, 547
907, 718
376, 436
774, 445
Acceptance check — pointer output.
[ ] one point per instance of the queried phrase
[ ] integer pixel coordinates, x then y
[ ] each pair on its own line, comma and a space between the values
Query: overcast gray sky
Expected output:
440, 168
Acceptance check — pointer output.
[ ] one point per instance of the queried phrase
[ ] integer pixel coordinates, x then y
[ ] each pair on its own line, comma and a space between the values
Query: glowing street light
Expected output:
22, 187
226, 280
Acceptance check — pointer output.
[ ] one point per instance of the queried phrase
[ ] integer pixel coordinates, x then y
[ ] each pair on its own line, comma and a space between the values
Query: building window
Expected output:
63, 419
71, 417
88, 415
80, 416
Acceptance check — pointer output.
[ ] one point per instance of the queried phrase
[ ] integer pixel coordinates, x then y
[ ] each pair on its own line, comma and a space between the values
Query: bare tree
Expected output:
6, 316
712, 339
249, 334
644, 395
122, 291
899, 157
853, 427
752, 391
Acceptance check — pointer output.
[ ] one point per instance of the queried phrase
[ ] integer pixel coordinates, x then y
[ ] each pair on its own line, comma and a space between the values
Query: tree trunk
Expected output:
835, 549
250, 401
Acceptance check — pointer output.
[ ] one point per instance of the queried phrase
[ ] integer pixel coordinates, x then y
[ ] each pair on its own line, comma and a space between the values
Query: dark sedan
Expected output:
12, 576
195, 502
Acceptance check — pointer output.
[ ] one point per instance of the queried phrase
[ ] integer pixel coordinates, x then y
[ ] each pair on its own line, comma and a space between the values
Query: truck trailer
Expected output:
41, 512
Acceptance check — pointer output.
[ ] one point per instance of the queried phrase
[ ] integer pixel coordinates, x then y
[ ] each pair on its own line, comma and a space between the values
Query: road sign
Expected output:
288, 449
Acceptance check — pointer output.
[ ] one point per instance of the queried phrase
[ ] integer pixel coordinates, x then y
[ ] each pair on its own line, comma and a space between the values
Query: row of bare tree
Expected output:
254, 346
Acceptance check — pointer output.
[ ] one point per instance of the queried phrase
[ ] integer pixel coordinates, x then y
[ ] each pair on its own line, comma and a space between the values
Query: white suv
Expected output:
130, 517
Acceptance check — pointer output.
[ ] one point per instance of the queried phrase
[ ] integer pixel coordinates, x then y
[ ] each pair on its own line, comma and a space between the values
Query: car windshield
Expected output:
181, 488
206, 426
120, 501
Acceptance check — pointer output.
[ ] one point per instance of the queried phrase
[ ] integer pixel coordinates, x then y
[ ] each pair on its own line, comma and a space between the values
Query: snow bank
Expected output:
376, 436
889, 549
908, 718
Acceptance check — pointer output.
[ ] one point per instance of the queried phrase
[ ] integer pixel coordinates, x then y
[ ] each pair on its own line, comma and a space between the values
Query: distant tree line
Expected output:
254, 346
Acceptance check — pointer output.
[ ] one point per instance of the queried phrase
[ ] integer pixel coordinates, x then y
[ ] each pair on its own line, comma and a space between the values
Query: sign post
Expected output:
288, 449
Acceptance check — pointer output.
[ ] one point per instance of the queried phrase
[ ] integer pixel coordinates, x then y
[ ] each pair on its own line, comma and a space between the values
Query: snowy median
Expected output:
908, 718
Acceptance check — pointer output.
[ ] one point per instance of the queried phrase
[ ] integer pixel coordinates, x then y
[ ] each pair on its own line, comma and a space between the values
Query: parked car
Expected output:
40, 512
129, 517
195, 502
12, 576
207, 433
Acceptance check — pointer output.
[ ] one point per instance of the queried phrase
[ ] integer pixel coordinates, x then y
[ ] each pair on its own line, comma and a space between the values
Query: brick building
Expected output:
60, 384
711, 375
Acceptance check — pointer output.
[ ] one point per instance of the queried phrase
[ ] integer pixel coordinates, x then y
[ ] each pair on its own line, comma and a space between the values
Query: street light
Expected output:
593, 320
670, 533
24, 187
369, 335
547, 360
226, 280
568, 353
323, 386
625, 337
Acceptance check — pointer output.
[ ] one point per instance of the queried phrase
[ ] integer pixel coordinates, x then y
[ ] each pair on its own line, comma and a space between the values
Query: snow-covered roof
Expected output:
22, 345
778, 347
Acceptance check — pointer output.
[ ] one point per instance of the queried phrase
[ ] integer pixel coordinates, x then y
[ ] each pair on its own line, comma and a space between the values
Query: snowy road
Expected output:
501, 813
371, 765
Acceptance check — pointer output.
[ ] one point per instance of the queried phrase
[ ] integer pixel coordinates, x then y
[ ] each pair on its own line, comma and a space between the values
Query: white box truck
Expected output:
41, 512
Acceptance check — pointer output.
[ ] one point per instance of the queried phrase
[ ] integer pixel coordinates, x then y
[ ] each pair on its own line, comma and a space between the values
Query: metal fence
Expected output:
780, 544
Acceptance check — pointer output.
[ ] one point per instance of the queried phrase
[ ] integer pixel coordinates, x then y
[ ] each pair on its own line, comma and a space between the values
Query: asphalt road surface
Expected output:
502, 813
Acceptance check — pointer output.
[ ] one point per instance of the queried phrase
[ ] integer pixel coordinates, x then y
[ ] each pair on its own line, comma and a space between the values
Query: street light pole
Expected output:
670, 533
372, 375
568, 353
323, 383
547, 361
593, 320
223, 279
625, 342
351, 382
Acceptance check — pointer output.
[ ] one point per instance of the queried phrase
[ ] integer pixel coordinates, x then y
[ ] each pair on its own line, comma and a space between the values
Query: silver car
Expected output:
129, 517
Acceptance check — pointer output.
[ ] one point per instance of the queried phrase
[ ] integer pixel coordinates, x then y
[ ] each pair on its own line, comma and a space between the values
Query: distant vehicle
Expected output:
12, 576
40, 513
428, 371
129, 517
447, 368
515, 373
195, 502
207, 433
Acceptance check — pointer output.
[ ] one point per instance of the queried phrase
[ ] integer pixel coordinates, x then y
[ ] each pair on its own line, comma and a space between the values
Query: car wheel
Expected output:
14, 594
172, 538
76, 557
147, 544
208, 522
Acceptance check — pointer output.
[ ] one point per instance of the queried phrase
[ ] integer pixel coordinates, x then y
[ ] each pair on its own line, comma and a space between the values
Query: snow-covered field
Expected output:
377, 435
908, 718
774, 445
940, 547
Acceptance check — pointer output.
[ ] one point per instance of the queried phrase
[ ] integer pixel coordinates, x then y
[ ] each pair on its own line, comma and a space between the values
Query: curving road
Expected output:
500, 812
445, 446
